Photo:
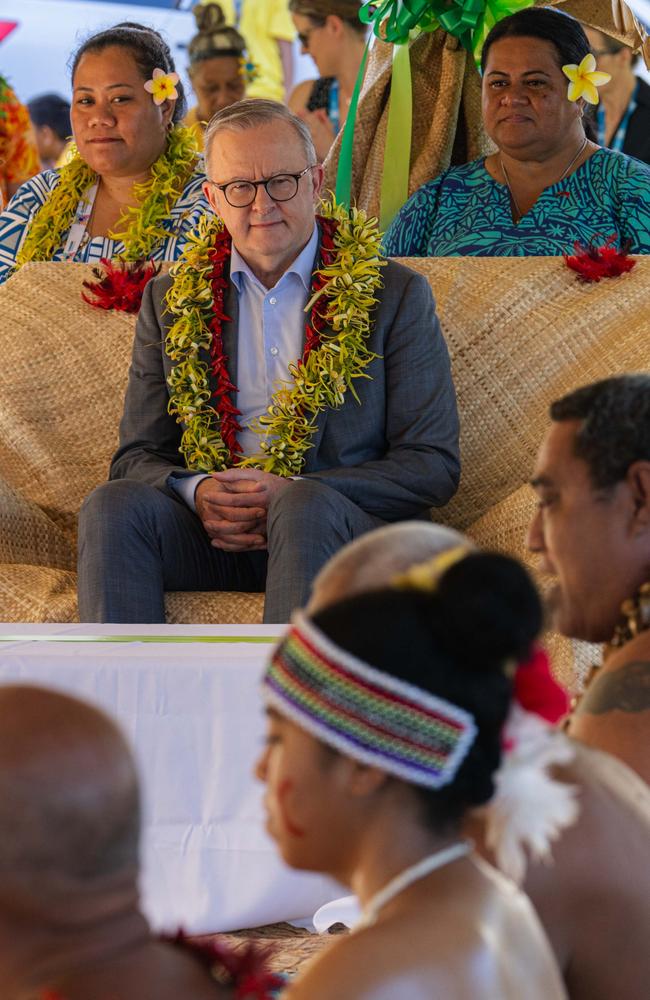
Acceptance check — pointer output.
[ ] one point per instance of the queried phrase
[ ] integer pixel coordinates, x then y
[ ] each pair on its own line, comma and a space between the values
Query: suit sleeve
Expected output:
421, 465
149, 436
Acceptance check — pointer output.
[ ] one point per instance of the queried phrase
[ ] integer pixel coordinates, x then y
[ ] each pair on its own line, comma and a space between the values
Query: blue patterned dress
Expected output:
17, 217
464, 212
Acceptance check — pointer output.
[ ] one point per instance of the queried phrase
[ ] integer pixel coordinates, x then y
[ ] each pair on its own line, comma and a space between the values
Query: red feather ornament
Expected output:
120, 284
607, 261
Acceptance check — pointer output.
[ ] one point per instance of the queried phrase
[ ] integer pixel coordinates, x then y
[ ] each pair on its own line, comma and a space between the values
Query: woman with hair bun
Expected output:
134, 188
386, 716
218, 68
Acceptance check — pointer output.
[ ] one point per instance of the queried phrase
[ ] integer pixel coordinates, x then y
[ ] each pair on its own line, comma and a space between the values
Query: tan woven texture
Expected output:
521, 332
447, 123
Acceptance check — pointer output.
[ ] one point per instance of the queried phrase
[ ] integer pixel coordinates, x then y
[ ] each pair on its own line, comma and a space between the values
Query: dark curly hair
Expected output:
149, 50
614, 430
455, 643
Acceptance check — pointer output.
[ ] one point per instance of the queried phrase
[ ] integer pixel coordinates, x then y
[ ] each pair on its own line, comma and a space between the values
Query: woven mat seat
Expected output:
521, 332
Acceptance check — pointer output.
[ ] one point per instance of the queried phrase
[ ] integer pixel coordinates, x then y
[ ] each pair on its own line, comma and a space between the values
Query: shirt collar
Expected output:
302, 266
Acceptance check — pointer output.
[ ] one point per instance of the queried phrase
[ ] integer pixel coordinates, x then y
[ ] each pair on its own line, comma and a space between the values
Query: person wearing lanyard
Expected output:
623, 117
332, 34
133, 189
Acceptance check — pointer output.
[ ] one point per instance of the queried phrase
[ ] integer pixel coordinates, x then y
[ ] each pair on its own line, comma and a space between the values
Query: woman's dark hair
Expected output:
214, 38
565, 34
149, 50
458, 643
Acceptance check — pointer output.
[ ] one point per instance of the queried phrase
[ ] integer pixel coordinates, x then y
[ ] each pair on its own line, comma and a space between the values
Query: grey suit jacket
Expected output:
394, 455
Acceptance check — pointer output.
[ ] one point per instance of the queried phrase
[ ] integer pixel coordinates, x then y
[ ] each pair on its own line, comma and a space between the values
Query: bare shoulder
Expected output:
299, 96
614, 713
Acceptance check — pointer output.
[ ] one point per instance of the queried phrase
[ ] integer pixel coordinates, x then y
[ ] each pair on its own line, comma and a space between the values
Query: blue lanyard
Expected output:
333, 106
619, 137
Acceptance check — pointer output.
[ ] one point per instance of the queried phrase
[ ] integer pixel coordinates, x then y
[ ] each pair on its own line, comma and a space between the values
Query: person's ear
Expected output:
167, 108
638, 481
317, 176
334, 24
362, 780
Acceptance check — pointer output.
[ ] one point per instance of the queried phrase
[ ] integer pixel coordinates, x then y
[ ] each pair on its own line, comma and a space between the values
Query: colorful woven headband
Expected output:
365, 713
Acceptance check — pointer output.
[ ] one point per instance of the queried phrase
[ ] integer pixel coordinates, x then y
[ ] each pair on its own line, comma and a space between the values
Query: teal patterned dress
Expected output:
464, 212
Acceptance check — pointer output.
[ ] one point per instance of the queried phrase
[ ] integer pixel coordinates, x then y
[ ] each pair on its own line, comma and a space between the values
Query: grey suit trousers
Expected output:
136, 542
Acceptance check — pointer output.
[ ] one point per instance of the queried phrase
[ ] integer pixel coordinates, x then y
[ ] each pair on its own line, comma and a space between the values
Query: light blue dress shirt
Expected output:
270, 337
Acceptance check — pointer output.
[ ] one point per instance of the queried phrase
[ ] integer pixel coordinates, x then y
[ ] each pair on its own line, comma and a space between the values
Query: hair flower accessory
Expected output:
162, 86
248, 70
584, 79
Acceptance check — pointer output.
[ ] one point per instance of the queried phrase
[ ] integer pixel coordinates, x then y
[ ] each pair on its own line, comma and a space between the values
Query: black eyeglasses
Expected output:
280, 187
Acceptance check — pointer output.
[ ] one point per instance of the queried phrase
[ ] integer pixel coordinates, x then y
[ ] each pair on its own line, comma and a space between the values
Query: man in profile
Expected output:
592, 532
70, 923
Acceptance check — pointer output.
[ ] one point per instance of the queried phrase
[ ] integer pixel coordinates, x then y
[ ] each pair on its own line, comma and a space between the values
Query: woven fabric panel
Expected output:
37, 594
62, 385
521, 333
211, 608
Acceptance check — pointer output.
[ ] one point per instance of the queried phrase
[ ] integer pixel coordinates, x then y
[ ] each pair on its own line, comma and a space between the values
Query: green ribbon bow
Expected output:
393, 20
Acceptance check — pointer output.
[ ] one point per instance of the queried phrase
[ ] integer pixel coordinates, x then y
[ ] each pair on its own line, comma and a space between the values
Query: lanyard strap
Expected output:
619, 136
333, 112
77, 234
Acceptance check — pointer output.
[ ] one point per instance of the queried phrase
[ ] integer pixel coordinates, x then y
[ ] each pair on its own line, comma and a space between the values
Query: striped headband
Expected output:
365, 713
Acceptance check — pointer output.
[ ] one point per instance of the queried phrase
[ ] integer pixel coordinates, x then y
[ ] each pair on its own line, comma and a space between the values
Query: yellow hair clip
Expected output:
584, 79
426, 575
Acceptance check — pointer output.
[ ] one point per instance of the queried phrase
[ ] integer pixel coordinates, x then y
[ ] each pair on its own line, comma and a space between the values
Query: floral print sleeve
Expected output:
18, 154
410, 231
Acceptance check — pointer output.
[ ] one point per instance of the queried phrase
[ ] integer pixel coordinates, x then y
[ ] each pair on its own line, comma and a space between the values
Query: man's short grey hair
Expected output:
372, 561
252, 113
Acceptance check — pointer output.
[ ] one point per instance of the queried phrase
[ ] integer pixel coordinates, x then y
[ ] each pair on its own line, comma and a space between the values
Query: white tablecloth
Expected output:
193, 714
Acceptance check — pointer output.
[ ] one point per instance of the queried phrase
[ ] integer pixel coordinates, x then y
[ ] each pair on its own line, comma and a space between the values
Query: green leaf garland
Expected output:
344, 296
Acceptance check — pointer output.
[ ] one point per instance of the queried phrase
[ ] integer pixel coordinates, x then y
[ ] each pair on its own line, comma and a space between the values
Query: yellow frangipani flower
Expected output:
584, 79
162, 86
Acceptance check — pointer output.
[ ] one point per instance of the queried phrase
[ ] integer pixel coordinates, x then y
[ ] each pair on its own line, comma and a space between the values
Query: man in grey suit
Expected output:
392, 454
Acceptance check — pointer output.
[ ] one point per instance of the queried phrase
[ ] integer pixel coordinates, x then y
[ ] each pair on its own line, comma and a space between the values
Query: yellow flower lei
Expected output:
139, 228
352, 280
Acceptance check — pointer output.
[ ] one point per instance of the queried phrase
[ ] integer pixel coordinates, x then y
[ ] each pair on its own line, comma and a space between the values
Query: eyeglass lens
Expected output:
282, 187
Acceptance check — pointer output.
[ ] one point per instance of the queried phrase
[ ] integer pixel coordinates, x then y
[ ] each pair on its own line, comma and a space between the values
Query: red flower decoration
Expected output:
120, 285
537, 691
593, 263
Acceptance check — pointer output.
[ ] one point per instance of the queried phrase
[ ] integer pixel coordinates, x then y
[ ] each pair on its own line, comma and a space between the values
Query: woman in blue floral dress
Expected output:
548, 185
